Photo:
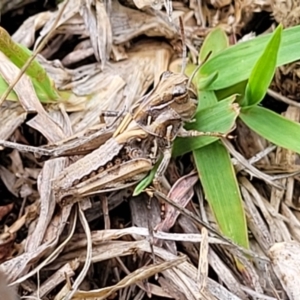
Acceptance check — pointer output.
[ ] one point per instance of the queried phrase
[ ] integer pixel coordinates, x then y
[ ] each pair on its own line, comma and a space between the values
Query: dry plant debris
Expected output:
113, 246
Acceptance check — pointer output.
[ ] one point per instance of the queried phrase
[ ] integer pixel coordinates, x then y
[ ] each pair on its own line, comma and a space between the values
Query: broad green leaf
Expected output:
263, 71
206, 99
204, 82
219, 117
221, 191
235, 63
273, 127
215, 42
238, 88
18, 55
144, 183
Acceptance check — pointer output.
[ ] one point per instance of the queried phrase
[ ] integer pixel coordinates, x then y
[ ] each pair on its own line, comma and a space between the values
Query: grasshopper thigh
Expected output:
87, 164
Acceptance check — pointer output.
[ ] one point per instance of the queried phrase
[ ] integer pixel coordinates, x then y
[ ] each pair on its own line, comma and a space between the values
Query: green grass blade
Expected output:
221, 191
273, 127
263, 71
215, 42
235, 63
219, 117
18, 55
144, 183
3, 86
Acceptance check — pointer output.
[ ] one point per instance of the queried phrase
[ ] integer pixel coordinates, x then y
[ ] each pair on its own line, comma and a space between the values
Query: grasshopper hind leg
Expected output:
195, 133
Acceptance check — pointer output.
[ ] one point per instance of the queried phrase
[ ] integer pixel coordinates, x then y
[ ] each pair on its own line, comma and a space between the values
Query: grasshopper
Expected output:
146, 133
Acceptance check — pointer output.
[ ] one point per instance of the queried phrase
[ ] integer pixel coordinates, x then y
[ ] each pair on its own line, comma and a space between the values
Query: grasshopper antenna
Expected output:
184, 51
184, 55
197, 69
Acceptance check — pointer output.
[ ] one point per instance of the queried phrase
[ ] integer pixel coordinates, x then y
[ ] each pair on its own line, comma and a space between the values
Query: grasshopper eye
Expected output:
179, 90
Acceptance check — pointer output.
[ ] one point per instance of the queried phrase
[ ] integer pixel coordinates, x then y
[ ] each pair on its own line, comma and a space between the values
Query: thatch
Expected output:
109, 55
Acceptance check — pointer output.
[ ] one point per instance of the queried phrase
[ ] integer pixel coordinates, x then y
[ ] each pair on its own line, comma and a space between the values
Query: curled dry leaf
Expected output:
25, 35
181, 193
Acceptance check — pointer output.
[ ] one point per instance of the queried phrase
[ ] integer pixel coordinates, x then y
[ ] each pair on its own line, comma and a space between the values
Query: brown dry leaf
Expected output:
286, 264
57, 72
5, 209
181, 193
78, 241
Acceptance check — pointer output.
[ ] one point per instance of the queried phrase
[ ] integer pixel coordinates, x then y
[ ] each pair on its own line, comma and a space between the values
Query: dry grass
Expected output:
113, 246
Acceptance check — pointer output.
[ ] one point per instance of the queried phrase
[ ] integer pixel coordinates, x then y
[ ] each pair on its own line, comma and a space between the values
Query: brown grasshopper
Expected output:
142, 137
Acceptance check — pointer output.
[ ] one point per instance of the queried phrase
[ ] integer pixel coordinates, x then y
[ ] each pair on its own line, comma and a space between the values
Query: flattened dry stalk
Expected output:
88, 259
56, 279
80, 143
136, 276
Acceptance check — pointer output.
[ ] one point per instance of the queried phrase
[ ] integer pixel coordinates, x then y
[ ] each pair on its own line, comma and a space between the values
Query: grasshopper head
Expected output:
182, 98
